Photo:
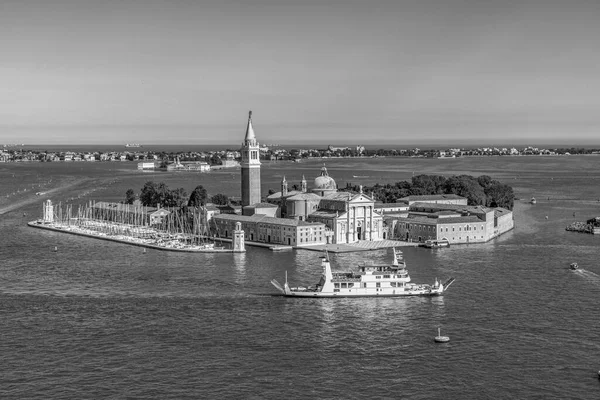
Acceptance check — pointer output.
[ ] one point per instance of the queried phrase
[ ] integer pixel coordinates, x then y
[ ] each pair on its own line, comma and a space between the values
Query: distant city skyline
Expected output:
339, 72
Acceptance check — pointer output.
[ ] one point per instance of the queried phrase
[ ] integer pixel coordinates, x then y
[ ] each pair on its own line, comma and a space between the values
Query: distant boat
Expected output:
574, 266
533, 200
360, 176
133, 145
441, 339
434, 244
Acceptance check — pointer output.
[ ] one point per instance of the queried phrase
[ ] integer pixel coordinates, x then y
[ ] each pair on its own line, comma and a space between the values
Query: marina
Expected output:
133, 226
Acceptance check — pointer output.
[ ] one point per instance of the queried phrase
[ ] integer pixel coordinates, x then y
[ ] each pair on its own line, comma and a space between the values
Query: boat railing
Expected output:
345, 279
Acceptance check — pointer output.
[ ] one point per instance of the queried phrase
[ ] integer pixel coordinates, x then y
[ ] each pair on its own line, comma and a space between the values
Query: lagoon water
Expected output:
98, 319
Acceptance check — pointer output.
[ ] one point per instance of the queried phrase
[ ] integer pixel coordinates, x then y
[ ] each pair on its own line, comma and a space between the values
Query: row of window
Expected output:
432, 228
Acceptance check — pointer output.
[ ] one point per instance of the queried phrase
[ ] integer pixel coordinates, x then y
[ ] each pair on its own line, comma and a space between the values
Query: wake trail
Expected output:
589, 275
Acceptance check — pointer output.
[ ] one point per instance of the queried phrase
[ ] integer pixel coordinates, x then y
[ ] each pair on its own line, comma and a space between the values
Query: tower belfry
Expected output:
250, 166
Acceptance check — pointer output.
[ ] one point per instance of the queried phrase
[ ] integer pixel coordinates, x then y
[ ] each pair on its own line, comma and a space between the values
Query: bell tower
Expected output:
250, 167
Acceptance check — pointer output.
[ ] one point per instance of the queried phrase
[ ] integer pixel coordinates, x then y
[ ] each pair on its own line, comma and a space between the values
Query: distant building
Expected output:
128, 213
436, 199
264, 229
146, 165
200, 166
453, 222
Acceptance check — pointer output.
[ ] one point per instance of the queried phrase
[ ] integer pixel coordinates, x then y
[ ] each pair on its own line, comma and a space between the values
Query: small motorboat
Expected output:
574, 266
441, 339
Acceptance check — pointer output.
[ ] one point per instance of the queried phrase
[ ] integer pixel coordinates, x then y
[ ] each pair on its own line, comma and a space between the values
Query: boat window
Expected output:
336, 290
393, 284
378, 277
350, 285
378, 284
337, 285
365, 284
344, 285
386, 276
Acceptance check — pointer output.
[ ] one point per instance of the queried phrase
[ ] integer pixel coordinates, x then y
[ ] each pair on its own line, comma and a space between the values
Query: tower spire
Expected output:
249, 130
250, 165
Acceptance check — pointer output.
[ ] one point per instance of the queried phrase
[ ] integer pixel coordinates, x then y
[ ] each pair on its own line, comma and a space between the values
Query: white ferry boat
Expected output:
370, 281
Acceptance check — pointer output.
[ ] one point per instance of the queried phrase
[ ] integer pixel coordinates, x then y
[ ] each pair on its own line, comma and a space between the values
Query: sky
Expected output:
338, 72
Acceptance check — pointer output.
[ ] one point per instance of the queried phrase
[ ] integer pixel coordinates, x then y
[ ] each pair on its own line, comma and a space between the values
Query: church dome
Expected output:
324, 181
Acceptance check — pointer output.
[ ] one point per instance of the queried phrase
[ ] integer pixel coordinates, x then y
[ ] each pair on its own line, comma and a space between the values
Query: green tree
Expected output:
215, 160
484, 181
466, 186
500, 195
220, 199
129, 196
431, 184
148, 194
198, 197
176, 198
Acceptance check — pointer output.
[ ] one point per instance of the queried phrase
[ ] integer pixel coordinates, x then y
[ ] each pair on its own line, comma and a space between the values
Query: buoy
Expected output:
441, 339
55, 248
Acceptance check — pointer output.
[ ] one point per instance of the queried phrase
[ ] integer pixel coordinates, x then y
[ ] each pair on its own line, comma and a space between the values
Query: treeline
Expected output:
482, 190
153, 194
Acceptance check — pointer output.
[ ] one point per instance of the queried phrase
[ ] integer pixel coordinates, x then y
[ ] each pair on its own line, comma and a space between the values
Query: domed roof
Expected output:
324, 181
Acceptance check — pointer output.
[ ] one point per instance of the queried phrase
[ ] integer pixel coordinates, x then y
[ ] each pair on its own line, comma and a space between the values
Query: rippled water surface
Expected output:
97, 319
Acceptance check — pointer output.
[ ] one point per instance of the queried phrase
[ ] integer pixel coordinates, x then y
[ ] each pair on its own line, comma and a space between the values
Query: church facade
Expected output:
348, 217
313, 215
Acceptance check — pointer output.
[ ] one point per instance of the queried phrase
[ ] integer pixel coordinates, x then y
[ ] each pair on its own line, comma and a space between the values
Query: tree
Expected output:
148, 194
175, 198
431, 184
198, 197
129, 196
215, 160
220, 199
500, 195
484, 181
466, 186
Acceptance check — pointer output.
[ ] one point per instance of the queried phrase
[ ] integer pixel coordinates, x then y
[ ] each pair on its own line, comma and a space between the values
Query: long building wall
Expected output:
272, 232
455, 230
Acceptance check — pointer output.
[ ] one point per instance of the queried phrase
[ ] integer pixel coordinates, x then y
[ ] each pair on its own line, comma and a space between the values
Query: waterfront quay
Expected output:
174, 245
177, 246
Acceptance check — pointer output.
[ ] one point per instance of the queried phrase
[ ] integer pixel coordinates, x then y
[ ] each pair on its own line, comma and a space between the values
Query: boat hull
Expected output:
380, 294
